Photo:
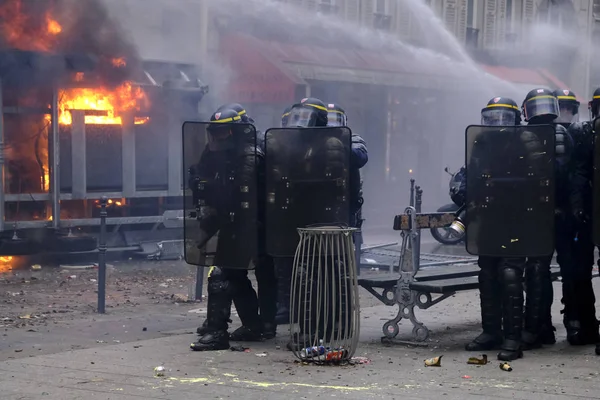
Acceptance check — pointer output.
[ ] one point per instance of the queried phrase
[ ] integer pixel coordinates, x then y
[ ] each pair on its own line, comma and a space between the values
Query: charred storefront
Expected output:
84, 118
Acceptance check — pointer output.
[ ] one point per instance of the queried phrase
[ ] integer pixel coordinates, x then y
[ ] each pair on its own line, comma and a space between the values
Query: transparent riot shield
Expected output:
307, 183
596, 185
510, 190
221, 197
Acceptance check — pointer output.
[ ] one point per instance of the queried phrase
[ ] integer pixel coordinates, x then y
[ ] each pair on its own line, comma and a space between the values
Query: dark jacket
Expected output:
582, 167
358, 159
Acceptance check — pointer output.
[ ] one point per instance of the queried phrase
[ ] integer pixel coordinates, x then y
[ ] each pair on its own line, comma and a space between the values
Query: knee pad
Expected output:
510, 275
217, 282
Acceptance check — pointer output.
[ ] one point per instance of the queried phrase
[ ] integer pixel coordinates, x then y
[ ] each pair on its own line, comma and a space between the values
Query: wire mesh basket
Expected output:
324, 302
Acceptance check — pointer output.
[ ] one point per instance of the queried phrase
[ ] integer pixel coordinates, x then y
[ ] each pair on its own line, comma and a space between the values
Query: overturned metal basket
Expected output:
324, 295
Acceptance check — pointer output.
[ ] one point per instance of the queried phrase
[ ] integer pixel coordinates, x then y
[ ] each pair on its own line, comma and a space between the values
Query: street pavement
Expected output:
114, 357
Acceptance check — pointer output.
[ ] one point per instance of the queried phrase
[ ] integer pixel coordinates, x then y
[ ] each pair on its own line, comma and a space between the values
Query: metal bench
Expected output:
415, 284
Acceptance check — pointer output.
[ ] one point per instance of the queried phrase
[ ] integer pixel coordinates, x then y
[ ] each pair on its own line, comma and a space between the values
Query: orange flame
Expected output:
118, 62
5, 264
125, 98
20, 30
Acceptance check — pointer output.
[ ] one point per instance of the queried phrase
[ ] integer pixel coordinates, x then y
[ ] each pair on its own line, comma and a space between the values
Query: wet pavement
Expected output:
113, 356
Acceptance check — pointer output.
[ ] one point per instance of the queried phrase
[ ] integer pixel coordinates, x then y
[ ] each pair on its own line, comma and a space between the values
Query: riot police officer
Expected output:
578, 293
541, 107
302, 155
284, 266
569, 107
285, 116
231, 151
500, 279
264, 266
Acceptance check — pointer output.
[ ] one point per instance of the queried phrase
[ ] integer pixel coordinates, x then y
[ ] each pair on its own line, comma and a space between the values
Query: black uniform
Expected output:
358, 159
230, 156
264, 266
578, 294
500, 279
541, 107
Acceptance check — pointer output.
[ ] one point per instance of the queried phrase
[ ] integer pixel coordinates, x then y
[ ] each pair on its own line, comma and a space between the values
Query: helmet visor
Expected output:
498, 117
302, 117
336, 118
219, 136
566, 114
541, 105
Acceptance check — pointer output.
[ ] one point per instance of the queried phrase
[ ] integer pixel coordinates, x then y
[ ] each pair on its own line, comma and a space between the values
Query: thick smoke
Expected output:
68, 27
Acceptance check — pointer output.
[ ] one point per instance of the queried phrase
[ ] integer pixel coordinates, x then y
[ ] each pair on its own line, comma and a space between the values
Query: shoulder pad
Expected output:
560, 129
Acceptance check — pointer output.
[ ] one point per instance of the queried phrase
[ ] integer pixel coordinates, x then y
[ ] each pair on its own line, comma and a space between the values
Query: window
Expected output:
328, 6
597, 9
509, 15
470, 12
382, 7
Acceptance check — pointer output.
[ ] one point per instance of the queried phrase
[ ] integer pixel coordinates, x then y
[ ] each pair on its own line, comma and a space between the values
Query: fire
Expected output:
53, 27
6, 264
118, 62
125, 98
25, 31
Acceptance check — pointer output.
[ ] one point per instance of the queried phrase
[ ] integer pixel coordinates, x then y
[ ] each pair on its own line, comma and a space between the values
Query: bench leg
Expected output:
407, 300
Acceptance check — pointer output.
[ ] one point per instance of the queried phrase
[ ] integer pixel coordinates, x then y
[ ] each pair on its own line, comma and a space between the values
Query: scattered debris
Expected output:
36, 267
144, 329
18, 350
434, 362
179, 298
261, 354
72, 276
360, 360
93, 280
505, 367
478, 361
239, 348
100, 341
159, 371
466, 376
28, 316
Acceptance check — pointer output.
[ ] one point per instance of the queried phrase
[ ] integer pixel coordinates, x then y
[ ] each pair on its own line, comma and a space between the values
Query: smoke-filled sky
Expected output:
422, 129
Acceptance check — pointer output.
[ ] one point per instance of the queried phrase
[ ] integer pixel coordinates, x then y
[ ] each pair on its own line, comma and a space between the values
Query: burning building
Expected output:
84, 117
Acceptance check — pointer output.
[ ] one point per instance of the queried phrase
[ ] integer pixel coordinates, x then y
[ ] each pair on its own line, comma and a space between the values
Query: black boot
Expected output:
582, 326
218, 311
491, 307
539, 283
267, 295
204, 329
269, 331
246, 304
217, 340
283, 270
245, 334
511, 278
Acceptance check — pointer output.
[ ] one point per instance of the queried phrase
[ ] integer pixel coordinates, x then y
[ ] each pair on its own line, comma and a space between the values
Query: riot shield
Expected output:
307, 182
596, 185
221, 198
510, 190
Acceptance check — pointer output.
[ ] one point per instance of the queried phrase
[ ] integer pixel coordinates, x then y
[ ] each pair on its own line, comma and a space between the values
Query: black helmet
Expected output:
239, 109
310, 112
594, 104
542, 105
501, 111
336, 115
220, 130
285, 116
568, 105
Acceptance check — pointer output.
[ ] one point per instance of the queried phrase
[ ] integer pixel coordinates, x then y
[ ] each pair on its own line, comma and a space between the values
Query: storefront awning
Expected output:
268, 71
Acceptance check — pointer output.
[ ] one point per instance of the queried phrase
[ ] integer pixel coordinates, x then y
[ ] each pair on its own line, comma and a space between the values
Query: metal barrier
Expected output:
324, 295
